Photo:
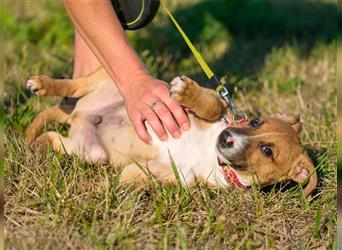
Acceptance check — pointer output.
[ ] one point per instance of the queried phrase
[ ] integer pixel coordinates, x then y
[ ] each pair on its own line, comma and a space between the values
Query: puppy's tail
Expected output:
53, 114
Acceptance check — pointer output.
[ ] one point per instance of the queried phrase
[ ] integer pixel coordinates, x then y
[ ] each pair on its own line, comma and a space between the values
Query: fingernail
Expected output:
186, 126
176, 134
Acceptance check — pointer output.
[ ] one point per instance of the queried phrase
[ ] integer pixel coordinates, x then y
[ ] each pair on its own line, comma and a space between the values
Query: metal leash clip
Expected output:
238, 116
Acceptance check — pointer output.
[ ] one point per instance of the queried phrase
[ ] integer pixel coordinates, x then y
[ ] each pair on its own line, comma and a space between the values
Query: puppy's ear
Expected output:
294, 121
301, 170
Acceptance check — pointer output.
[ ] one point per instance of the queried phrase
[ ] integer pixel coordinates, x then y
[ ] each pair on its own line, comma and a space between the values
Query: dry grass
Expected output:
59, 202
53, 202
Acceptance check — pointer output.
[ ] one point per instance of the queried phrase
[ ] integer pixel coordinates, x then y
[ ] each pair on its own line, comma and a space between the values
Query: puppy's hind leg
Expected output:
58, 142
76, 88
90, 152
139, 174
55, 113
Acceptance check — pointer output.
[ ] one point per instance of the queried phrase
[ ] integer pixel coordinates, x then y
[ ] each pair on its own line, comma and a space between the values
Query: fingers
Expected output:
159, 118
179, 114
167, 119
140, 129
155, 106
155, 123
177, 111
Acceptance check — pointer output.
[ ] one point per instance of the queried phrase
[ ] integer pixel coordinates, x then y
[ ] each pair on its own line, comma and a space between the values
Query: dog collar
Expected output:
229, 175
230, 123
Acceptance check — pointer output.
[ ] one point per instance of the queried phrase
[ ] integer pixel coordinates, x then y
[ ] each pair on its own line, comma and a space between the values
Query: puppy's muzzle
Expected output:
226, 140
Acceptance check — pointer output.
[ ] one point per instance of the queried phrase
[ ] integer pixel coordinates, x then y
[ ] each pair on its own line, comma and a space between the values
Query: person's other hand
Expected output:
148, 99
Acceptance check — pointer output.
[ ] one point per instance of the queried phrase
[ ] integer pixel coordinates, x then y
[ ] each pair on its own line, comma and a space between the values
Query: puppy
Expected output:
263, 151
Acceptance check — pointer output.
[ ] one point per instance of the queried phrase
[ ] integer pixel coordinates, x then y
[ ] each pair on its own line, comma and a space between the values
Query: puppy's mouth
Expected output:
224, 161
229, 172
221, 159
230, 148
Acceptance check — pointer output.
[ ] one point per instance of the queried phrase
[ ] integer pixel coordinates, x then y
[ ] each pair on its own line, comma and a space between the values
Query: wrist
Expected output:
129, 83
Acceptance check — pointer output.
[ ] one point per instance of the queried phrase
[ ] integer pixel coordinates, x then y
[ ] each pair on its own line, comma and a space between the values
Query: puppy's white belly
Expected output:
194, 153
98, 101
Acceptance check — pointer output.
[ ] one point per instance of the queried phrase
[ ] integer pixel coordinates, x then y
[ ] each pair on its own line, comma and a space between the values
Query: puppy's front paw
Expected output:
184, 90
40, 85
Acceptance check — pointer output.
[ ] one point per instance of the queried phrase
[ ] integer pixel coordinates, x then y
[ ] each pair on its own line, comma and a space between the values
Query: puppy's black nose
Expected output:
226, 139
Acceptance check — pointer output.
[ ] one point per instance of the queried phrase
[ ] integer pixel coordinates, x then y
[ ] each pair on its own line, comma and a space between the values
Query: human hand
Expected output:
148, 99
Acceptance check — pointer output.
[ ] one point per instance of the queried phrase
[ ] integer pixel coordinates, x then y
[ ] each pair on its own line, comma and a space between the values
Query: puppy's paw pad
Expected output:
182, 87
38, 84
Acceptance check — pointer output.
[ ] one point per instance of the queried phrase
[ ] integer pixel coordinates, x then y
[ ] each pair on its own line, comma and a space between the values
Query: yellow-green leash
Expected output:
221, 88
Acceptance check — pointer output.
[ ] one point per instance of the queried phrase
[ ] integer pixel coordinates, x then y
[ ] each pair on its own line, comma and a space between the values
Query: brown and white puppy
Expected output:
265, 150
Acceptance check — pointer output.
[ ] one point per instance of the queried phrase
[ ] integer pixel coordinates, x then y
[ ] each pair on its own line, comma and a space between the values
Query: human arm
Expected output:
99, 26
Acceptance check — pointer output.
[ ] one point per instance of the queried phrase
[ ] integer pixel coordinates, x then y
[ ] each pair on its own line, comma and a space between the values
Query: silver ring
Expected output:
153, 104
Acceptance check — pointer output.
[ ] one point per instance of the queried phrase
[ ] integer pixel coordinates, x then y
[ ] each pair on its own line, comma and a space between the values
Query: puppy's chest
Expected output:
194, 153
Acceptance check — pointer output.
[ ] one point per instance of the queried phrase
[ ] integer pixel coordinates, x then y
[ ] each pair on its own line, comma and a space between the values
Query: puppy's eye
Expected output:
266, 150
255, 122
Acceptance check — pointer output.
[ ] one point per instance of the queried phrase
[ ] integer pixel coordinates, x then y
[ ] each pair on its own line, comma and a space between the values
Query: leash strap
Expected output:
210, 74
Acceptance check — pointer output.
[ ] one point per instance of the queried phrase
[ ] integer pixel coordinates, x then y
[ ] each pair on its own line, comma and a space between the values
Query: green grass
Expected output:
276, 56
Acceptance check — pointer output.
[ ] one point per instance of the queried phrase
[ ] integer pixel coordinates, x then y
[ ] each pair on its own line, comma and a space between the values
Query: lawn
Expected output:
277, 56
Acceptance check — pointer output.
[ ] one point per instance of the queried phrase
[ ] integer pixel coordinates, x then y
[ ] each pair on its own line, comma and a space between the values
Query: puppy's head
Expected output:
269, 149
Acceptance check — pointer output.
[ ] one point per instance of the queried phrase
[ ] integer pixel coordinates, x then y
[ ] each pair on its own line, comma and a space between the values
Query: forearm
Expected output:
146, 99
99, 26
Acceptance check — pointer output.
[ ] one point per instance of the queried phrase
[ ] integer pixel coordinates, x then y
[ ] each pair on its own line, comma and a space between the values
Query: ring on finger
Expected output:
153, 104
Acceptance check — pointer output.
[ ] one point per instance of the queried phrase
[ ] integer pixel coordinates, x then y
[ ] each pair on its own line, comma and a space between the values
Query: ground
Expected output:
277, 56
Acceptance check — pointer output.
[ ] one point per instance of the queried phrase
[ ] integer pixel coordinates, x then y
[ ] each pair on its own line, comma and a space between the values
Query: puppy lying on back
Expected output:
266, 150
